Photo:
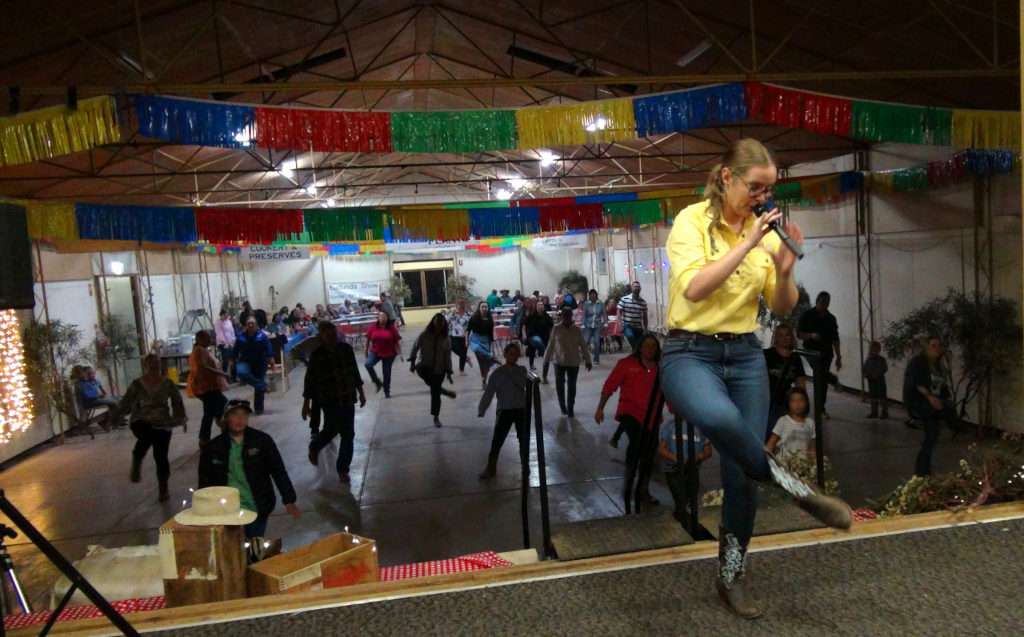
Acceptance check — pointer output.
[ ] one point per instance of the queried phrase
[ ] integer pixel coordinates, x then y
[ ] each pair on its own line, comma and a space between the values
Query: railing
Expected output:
820, 382
535, 417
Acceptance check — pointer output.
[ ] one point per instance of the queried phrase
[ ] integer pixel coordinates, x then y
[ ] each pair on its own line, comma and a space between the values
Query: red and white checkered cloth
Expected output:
463, 564
860, 515
12, 622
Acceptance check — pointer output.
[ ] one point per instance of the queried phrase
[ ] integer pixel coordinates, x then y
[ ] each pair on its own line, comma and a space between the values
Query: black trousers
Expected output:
436, 384
339, 420
213, 407
932, 419
160, 440
508, 418
566, 400
879, 396
459, 349
643, 445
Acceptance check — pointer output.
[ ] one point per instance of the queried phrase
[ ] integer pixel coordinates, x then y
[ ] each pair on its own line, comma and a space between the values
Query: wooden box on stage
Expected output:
337, 560
202, 564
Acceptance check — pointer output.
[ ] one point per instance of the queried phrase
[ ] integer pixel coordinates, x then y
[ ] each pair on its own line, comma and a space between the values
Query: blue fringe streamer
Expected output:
503, 222
607, 198
195, 123
136, 223
989, 162
687, 110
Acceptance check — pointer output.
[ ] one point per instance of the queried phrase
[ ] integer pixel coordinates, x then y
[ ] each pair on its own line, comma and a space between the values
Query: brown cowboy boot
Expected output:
829, 510
732, 589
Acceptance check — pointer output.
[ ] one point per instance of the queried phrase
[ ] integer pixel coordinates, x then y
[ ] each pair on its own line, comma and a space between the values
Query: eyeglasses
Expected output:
756, 190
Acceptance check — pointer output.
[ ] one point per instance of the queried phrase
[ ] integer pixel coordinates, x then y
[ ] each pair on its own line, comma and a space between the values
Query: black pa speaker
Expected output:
15, 259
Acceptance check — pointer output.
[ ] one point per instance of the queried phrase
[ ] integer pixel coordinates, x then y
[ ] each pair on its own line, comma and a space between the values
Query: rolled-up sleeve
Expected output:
685, 249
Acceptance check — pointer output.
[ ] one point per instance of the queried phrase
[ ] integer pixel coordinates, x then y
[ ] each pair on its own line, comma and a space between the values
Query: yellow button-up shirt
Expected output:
733, 306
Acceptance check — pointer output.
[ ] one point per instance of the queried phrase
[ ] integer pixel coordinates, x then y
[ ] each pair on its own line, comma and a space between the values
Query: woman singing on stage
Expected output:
723, 258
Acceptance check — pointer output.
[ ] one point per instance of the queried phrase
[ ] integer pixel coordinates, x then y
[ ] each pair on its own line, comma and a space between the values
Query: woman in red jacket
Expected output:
635, 377
383, 343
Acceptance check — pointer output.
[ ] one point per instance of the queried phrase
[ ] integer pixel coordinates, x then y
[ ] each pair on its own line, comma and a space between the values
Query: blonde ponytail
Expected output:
740, 158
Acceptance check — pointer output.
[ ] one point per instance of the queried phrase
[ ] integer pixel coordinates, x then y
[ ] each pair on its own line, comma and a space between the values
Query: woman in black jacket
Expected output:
248, 460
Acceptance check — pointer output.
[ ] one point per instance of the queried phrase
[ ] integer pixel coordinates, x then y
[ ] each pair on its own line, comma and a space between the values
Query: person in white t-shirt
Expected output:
794, 432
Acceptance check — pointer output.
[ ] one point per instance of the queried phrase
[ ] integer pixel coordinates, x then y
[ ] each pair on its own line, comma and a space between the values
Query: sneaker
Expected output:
437, 422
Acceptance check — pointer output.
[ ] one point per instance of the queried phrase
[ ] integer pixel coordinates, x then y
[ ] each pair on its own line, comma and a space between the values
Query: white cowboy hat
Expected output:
214, 506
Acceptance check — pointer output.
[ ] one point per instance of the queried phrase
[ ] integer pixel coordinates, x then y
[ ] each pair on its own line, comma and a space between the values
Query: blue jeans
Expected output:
371, 362
592, 337
722, 388
256, 377
633, 334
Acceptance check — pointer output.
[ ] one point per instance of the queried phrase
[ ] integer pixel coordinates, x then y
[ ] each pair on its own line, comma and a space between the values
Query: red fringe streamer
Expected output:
231, 225
796, 109
323, 131
572, 217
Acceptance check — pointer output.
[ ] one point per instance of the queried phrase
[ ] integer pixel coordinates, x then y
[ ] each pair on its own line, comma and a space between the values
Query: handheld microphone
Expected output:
765, 208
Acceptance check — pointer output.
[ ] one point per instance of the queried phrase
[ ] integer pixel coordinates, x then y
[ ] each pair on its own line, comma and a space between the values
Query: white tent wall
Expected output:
922, 245
541, 269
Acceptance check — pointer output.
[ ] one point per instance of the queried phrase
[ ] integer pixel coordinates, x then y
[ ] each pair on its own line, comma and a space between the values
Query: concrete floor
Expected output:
414, 487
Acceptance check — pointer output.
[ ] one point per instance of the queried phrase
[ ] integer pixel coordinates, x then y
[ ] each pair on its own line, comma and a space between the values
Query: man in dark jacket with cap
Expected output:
247, 459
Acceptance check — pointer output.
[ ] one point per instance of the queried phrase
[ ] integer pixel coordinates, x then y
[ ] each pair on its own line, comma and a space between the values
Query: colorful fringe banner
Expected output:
565, 216
194, 122
798, 109
881, 122
489, 222
345, 224
634, 213
686, 110
576, 124
154, 224
986, 130
453, 131
247, 225
943, 173
51, 221
323, 130
437, 224
51, 132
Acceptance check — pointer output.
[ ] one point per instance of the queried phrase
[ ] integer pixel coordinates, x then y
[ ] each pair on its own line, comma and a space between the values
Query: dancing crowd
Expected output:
748, 404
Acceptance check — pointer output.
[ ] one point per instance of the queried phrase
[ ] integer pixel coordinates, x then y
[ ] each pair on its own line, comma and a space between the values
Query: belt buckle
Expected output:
722, 337
718, 337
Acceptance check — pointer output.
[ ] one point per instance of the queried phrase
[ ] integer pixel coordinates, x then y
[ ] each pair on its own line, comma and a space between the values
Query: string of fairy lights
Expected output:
15, 397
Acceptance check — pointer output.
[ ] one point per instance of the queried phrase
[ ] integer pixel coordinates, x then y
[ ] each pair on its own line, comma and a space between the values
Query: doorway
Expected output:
120, 317
427, 281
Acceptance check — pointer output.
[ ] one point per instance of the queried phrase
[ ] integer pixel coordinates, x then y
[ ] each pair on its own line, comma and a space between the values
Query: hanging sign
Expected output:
274, 253
337, 293
560, 242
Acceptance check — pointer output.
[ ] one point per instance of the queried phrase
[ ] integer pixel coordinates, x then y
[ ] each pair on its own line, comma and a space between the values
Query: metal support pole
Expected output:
323, 280
542, 470
49, 346
865, 296
524, 489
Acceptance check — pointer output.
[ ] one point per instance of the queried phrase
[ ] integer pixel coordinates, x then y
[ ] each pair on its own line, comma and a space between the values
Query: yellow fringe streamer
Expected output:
609, 120
438, 224
55, 131
51, 221
986, 130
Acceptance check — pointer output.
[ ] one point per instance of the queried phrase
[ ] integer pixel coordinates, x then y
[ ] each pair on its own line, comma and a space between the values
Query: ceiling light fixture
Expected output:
547, 158
598, 124
694, 53
503, 195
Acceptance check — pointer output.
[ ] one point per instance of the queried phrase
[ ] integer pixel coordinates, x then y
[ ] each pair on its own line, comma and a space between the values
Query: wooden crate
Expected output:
201, 564
337, 560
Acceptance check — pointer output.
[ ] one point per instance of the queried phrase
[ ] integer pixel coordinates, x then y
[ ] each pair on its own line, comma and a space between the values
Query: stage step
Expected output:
772, 518
623, 534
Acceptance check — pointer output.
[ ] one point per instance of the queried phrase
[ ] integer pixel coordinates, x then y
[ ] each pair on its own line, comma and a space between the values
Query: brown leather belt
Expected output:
721, 336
